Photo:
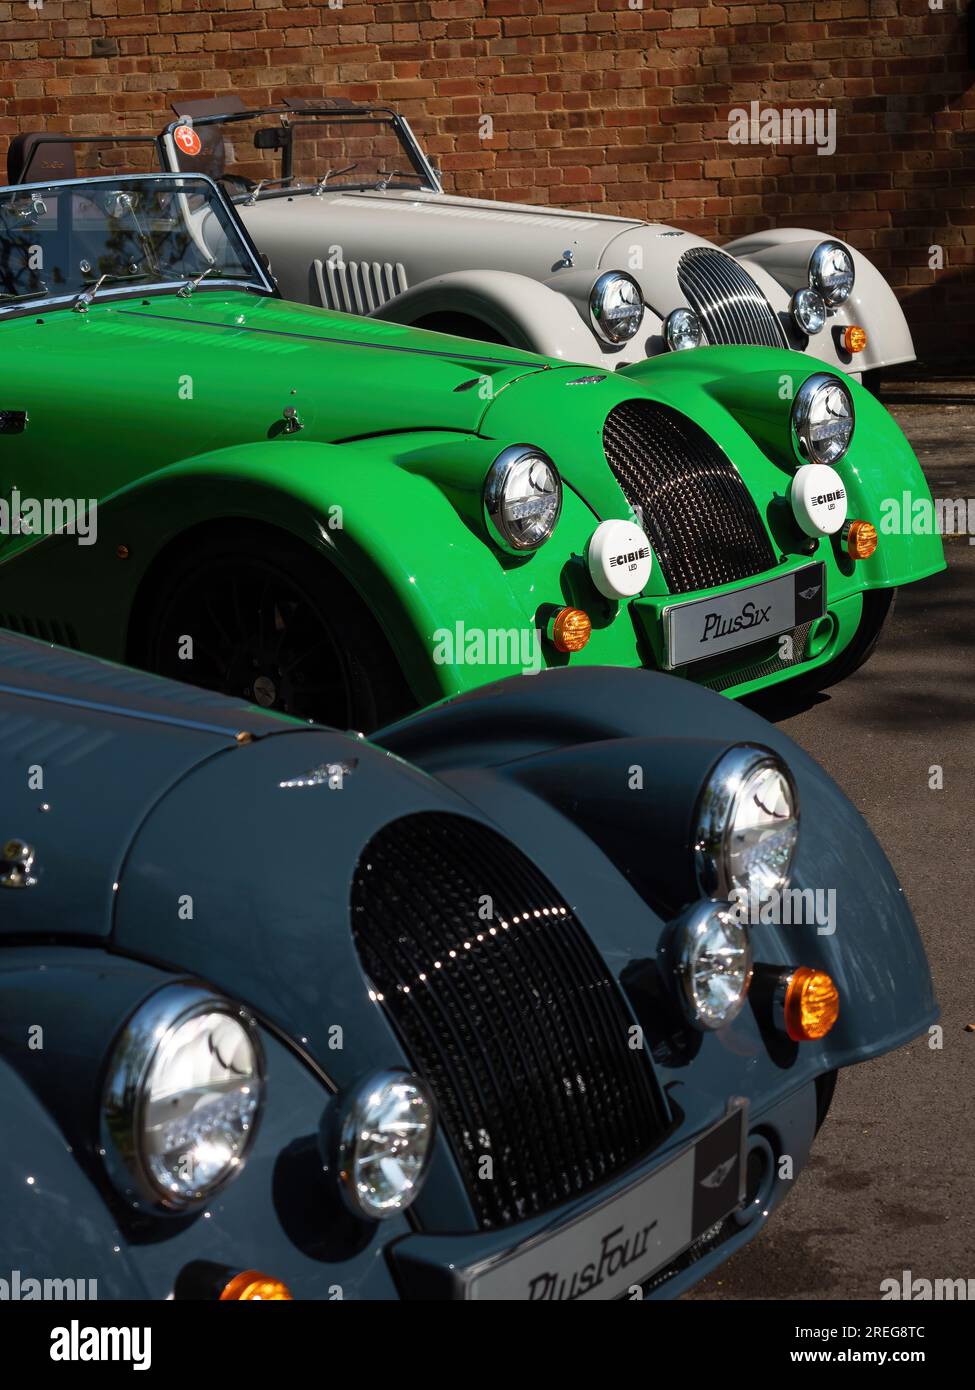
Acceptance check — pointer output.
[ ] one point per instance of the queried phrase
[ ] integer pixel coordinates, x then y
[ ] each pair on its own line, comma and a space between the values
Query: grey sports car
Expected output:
503, 1004
354, 216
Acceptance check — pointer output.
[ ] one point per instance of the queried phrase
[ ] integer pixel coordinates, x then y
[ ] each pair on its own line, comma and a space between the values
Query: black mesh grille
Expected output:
514, 1020
769, 666
703, 525
730, 305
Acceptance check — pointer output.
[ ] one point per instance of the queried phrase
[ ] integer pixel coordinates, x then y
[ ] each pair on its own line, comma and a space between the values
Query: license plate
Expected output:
706, 627
637, 1232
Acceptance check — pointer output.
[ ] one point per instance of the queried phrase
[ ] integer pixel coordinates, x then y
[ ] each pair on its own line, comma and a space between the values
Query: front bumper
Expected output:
447, 1267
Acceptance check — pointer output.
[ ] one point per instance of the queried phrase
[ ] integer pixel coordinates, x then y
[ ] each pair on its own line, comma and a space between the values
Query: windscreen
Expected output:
298, 152
60, 240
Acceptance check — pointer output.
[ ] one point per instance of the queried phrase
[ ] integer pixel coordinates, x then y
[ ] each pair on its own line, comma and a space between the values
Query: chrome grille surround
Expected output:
514, 1020
729, 303
687, 495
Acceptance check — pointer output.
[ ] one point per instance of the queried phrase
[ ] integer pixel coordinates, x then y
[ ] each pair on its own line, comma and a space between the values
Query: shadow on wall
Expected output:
901, 184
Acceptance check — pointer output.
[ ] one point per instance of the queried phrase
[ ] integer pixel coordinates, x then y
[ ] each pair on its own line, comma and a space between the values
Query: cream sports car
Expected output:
353, 216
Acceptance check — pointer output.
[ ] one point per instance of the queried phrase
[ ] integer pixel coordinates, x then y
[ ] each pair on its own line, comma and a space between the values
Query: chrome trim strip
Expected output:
443, 353
99, 707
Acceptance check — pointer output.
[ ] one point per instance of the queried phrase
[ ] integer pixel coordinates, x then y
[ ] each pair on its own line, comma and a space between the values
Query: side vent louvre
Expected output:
358, 287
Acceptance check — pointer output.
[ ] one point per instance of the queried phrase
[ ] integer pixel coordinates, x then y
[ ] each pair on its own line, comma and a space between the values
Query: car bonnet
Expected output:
346, 376
430, 231
86, 750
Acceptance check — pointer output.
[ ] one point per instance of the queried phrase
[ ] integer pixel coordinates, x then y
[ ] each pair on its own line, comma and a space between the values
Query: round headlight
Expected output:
522, 499
683, 330
385, 1143
616, 306
182, 1098
747, 825
714, 964
832, 272
809, 311
822, 419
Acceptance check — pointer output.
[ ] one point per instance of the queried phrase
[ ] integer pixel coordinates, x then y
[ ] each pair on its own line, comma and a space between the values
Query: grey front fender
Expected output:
523, 312
56, 1226
572, 740
783, 253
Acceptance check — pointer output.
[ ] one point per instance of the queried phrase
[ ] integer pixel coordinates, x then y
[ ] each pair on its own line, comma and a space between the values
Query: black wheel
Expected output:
461, 326
825, 1090
267, 621
878, 604
873, 381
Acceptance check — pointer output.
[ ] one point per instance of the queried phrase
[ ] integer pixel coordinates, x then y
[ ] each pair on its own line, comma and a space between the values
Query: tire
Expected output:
271, 623
878, 604
461, 326
825, 1090
873, 381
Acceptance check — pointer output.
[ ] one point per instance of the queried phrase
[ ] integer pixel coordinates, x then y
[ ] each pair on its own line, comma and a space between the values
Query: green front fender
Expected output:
756, 387
394, 514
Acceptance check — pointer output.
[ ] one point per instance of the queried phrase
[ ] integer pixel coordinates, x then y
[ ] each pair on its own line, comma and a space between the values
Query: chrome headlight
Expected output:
522, 499
182, 1098
713, 964
822, 419
809, 311
683, 330
746, 825
832, 272
616, 306
384, 1144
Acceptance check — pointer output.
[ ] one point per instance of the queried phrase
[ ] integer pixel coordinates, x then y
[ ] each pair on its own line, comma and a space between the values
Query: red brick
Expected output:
594, 103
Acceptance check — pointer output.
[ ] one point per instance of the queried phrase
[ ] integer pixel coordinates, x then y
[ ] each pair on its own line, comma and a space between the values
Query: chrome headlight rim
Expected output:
717, 810
682, 316
124, 1095
692, 931
349, 1128
493, 498
801, 410
832, 298
597, 296
809, 313
799, 420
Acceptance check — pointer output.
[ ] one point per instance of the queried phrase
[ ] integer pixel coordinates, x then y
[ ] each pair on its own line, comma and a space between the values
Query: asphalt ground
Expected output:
891, 1182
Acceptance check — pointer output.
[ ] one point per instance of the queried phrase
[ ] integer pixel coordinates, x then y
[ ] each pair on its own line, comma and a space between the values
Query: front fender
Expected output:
394, 514
784, 254
756, 387
524, 312
55, 1224
575, 742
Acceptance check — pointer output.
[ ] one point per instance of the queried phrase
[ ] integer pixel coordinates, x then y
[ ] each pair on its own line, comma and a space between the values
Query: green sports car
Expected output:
340, 517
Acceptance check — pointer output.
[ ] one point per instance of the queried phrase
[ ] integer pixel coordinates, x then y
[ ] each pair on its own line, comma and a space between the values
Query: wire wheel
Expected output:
244, 626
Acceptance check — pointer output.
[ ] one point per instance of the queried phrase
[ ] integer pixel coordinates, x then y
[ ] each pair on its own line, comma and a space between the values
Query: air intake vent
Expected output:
514, 1020
358, 287
703, 525
731, 306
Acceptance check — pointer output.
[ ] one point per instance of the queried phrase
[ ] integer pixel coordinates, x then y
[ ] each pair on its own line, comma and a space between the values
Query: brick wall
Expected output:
610, 104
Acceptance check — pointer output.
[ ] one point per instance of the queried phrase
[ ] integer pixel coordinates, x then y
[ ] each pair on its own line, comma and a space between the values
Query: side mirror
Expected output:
272, 138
